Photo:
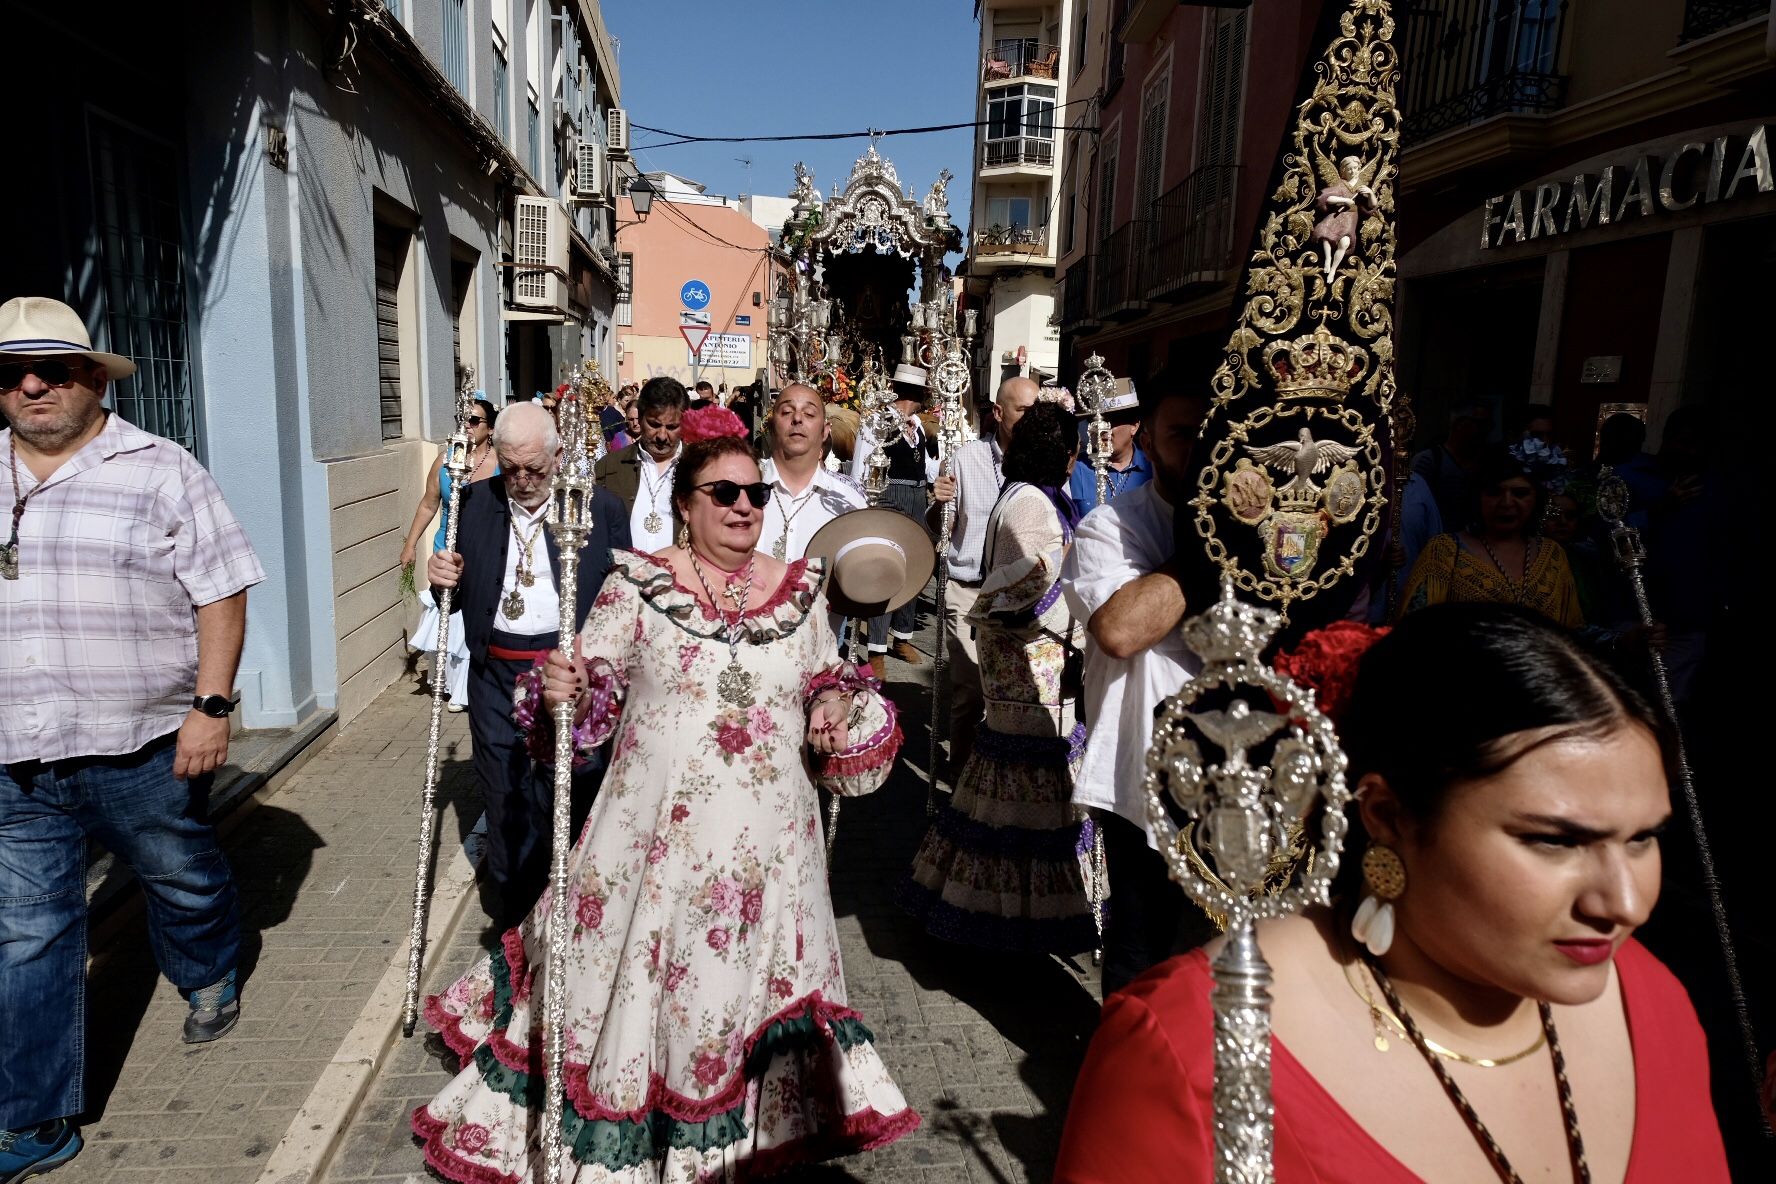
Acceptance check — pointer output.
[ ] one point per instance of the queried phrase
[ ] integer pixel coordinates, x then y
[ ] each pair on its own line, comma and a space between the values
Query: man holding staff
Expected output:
505, 579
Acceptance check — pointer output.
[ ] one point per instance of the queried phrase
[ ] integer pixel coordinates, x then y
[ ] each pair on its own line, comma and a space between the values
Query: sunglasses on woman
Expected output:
476, 421
726, 493
49, 371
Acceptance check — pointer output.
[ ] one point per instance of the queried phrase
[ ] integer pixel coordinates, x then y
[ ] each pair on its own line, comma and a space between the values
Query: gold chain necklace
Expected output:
1378, 1017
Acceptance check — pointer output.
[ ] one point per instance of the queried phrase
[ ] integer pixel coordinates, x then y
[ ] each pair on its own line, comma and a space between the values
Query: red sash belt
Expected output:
505, 655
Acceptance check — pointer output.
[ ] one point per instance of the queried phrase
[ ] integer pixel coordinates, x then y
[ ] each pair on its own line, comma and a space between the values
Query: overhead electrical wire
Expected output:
870, 133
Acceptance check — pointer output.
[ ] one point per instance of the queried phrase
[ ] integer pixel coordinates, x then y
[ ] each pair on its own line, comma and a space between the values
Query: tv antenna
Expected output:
745, 162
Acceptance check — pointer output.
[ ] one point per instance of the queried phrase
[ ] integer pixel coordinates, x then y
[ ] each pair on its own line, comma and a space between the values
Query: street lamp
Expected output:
641, 197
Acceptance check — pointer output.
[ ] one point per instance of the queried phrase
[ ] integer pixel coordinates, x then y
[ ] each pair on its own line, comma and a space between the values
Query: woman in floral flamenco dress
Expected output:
707, 1033
1003, 864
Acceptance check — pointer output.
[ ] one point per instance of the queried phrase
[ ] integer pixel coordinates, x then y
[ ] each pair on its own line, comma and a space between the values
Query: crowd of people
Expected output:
1471, 1005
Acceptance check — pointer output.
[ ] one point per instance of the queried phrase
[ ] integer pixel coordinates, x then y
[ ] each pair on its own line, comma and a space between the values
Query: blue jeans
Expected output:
158, 825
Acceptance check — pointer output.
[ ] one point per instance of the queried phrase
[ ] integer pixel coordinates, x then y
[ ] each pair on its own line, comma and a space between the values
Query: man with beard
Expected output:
123, 603
505, 575
1126, 579
807, 496
641, 474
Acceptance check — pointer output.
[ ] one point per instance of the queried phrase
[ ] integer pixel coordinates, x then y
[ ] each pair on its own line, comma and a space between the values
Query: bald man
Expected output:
505, 573
973, 484
807, 495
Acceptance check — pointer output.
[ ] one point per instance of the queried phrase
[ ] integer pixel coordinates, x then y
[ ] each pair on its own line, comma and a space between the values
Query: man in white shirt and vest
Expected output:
1126, 578
973, 484
640, 475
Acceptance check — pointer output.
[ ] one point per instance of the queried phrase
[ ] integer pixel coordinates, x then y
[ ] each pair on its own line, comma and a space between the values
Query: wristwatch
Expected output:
214, 706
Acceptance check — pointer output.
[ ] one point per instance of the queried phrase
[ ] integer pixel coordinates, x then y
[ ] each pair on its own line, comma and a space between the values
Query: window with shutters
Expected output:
533, 131
502, 98
456, 44
1223, 88
1070, 203
391, 257
1150, 157
1106, 211
625, 288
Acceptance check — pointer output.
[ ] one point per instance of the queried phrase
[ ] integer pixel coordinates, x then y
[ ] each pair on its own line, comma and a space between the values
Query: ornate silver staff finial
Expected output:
456, 463
1096, 385
570, 520
1246, 808
950, 381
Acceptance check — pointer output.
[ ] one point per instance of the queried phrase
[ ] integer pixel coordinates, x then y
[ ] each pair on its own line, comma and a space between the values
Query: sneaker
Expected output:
215, 1010
907, 652
456, 708
36, 1150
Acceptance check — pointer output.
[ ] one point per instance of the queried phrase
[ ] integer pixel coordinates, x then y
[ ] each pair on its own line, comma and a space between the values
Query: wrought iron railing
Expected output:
1466, 60
1035, 150
1011, 240
1075, 290
1118, 279
1193, 231
1702, 17
1021, 58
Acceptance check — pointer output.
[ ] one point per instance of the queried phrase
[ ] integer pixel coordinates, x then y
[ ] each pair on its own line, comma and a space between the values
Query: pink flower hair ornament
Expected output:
708, 423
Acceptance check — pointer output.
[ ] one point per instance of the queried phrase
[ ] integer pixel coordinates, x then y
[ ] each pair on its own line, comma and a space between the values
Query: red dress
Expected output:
1143, 1107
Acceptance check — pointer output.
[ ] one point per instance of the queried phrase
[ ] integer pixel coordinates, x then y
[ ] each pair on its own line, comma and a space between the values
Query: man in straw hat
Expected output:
123, 600
912, 466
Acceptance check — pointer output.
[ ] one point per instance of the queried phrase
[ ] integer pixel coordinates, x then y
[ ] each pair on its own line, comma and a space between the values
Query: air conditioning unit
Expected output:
589, 187
616, 133
539, 234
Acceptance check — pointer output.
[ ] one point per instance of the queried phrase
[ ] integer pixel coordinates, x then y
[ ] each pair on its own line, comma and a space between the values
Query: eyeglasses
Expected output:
726, 493
476, 421
51, 371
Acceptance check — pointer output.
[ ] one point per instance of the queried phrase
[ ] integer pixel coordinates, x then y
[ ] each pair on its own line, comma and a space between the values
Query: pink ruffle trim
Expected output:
794, 582
879, 750
448, 1163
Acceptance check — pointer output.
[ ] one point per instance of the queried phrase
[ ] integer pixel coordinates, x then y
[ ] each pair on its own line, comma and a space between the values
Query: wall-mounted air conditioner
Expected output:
539, 235
589, 182
616, 133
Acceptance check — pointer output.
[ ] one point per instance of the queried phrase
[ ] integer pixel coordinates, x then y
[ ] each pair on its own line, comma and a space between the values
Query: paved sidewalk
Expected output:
985, 1047
325, 868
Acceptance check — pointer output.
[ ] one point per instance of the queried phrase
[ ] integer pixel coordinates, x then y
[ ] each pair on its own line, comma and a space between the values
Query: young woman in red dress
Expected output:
1504, 847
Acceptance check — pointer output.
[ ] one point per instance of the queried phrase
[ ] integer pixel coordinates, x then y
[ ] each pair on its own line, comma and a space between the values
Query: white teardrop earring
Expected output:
1385, 877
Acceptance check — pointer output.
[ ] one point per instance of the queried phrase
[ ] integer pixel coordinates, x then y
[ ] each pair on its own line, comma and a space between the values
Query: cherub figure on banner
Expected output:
1347, 193
937, 202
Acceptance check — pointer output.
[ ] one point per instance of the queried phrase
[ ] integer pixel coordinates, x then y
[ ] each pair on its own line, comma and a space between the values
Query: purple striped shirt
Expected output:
98, 635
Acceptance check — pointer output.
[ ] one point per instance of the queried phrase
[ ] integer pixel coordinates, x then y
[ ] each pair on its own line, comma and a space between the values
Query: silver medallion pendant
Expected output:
735, 684
513, 605
781, 547
653, 523
526, 579
9, 561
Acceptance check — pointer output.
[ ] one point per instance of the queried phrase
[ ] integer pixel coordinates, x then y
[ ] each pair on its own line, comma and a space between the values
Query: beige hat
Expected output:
37, 326
879, 559
910, 375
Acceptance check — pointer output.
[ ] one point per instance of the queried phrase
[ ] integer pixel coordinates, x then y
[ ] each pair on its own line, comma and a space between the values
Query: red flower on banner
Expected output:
1326, 661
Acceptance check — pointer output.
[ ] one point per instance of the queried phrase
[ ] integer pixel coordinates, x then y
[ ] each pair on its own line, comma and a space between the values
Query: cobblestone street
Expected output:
984, 1047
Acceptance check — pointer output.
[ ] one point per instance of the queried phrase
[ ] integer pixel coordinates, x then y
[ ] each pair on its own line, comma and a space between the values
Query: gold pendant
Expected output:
526, 579
735, 684
513, 605
653, 522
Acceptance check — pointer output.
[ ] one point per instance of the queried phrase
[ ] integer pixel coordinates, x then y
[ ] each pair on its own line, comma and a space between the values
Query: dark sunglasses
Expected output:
726, 493
51, 371
476, 421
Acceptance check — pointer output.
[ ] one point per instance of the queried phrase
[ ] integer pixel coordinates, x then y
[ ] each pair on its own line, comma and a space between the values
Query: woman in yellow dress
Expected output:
1502, 558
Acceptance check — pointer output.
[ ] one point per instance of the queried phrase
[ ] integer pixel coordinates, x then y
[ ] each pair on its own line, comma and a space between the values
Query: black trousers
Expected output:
517, 793
909, 500
1149, 918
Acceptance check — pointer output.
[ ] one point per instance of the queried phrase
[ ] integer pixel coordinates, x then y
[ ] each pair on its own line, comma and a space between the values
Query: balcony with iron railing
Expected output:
1468, 60
1015, 58
1075, 295
1705, 17
1192, 238
1119, 287
1018, 152
1009, 244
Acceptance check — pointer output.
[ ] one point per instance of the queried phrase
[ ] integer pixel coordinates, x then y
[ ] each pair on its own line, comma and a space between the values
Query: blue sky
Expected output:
778, 67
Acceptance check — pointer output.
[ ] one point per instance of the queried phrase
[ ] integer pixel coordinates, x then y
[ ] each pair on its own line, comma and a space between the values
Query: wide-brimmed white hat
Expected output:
879, 559
37, 326
909, 375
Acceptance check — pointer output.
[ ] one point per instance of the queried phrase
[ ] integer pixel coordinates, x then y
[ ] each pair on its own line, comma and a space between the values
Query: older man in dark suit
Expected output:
506, 576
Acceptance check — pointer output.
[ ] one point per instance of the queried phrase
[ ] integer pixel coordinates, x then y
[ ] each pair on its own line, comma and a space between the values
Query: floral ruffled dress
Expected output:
1004, 863
708, 1036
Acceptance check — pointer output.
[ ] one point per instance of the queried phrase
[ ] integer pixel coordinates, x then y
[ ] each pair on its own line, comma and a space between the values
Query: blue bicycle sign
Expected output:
695, 294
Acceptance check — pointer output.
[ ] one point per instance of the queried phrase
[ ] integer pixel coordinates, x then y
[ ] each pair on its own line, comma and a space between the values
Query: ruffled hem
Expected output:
779, 616
1011, 748
598, 1132
1070, 934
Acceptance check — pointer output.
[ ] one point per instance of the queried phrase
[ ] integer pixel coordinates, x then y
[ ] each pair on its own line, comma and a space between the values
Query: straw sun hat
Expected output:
878, 558
36, 326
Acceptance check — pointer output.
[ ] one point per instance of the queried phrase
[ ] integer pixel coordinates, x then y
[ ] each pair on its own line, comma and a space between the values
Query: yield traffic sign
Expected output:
694, 336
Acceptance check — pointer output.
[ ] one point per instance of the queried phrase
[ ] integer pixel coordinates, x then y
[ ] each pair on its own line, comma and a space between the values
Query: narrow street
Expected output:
325, 868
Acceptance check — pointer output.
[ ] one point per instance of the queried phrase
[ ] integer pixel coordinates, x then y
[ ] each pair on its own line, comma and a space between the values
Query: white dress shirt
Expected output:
542, 603
795, 517
1114, 545
979, 475
653, 494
